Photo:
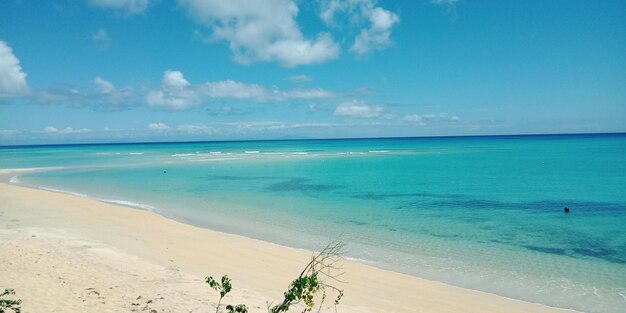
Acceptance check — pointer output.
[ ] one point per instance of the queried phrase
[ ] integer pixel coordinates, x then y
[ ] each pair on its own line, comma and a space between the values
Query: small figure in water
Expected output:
164, 172
566, 210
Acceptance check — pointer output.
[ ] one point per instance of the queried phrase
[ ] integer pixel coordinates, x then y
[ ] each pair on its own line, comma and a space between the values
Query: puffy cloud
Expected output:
379, 22
329, 8
12, 78
300, 78
158, 126
176, 93
103, 86
51, 129
262, 30
174, 80
66, 130
126, 6
235, 90
101, 38
357, 108
377, 36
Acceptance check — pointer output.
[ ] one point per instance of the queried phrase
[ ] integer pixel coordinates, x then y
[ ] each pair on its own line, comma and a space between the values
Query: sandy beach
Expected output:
65, 253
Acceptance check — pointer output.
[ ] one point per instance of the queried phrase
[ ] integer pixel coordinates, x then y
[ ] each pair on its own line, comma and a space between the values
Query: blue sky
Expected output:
159, 70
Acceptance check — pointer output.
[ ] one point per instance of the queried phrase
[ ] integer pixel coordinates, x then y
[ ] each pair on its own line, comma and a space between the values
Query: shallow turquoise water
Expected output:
479, 212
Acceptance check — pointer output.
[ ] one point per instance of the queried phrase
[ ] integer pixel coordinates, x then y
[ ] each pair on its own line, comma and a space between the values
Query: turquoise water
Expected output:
479, 212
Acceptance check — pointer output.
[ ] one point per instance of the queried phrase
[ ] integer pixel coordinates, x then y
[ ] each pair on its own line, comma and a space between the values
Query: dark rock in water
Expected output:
566, 210
164, 172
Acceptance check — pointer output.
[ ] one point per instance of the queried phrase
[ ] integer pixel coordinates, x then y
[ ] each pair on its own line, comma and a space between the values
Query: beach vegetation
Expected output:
224, 288
9, 304
311, 287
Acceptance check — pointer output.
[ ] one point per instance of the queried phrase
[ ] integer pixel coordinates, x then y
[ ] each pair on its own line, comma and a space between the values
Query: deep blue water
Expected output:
479, 212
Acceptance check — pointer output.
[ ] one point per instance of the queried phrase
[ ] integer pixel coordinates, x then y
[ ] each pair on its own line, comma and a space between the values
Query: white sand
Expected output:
64, 253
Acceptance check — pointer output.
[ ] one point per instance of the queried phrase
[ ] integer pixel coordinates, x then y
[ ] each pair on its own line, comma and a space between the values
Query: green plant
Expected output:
224, 288
311, 283
240, 308
8, 304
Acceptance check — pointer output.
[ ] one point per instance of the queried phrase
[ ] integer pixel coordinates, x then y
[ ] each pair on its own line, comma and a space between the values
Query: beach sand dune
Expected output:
64, 253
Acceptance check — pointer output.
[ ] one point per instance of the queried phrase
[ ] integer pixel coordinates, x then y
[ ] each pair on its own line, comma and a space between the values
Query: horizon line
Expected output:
304, 139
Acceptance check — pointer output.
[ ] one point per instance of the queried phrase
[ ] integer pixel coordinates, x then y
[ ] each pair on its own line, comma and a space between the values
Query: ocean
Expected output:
485, 213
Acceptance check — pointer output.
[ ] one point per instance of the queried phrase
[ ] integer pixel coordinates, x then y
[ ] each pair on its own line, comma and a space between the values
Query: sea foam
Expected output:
63, 191
129, 204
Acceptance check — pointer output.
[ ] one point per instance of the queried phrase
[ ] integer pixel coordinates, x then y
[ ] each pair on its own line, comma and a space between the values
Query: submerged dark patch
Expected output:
557, 251
602, 253
358, 223
586, 207
299, 184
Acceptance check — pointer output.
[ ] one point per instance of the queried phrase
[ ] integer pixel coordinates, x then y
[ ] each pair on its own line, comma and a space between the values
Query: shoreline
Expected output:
140, 235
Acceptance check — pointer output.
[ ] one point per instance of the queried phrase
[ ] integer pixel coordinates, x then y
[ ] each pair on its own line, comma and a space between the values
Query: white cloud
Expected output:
424, 118
9, 132
196, 129
176, 93
377, 36
276, 125
51, 129
415, 118
101, 38
158, 126
174, 80
360, 109
307, 94
243, 91
103, 96
103, 86
262, 30
300, 78
329, 8
379, 21
12, 78
357, 108
126, 6
190, 129
449, 2
66, 130
235, 90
